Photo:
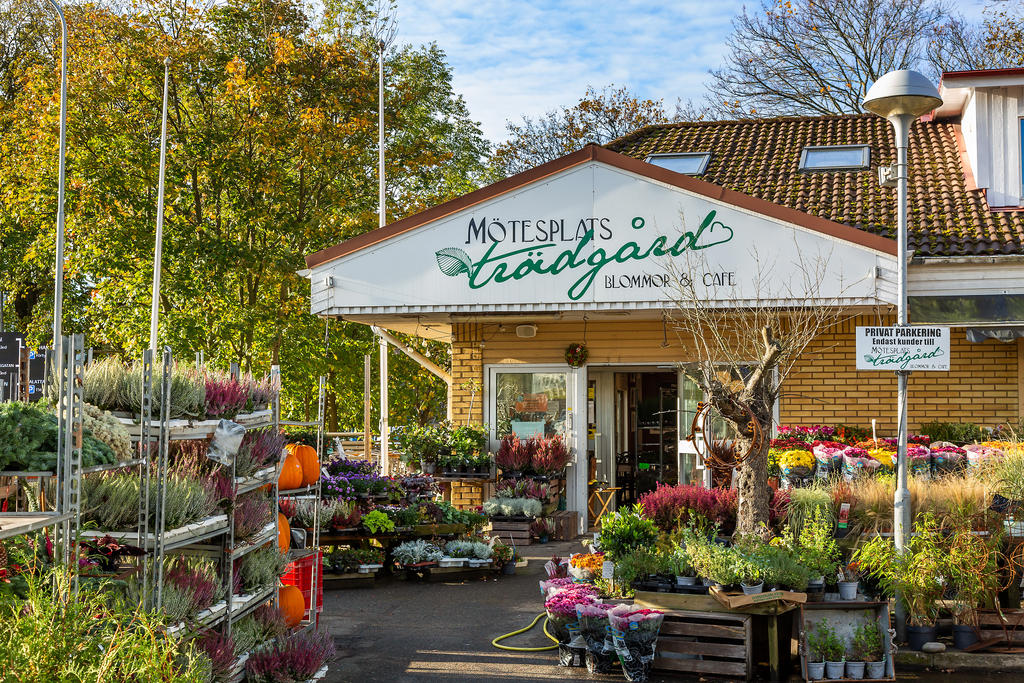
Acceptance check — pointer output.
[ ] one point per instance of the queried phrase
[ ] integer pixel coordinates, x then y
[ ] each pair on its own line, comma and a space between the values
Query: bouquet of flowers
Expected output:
796, 463
884, 456
829, 455
920, 460
596, 633
561, 611
586, 566
635, 635
856, 461
976, 453
948, 458
548, 587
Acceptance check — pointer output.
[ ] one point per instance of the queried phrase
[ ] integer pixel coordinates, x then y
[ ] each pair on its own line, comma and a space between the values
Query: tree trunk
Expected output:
754, 492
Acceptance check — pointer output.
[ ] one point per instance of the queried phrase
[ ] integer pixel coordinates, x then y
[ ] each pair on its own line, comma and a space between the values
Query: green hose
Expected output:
524, 630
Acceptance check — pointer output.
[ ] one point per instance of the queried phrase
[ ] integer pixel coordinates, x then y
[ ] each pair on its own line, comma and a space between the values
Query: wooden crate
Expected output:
566, 523
1009, 626
512, 533
715, 644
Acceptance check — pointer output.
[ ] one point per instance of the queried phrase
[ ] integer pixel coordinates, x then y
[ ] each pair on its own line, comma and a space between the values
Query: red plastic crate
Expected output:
300, 575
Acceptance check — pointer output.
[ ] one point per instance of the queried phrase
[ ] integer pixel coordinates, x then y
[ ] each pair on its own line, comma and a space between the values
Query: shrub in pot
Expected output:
751, 576
626, 530
972, 570
913, 574
849, 586
867, 649
823, 652
682, 568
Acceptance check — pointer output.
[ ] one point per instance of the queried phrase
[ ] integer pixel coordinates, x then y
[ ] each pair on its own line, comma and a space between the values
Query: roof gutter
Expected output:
1002, 259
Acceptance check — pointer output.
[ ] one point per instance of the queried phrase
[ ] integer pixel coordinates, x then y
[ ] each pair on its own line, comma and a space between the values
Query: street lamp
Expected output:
901, 97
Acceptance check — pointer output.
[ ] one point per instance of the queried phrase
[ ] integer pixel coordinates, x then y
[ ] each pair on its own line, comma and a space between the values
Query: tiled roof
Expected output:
760, 157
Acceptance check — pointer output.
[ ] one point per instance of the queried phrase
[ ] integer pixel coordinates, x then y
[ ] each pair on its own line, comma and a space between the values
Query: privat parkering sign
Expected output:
903, 348
595, 234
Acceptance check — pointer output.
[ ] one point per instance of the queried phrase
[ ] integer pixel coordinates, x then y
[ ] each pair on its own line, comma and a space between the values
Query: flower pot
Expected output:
964, 636
855, 670
752, 590
508, 569
874, 669
686, 580
848, 590
815, 591
543, 539
815, 671
835, 669
917, 636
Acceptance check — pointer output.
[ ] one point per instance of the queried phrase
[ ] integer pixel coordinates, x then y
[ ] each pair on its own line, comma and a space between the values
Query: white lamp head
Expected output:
901, 93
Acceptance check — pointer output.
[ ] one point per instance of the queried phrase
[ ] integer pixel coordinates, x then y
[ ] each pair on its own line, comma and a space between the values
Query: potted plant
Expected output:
848, 587
866, 654
541, 529
751, 575
972, 571
914, 575
679, 561
416, 554
832, 651
505, 557
514, 455
625, 530
817, 651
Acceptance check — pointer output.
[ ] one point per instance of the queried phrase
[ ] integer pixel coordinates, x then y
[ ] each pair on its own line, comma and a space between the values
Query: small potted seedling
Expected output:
682, 568
816, 655
869, 647
828, 647
850, 582
751, 577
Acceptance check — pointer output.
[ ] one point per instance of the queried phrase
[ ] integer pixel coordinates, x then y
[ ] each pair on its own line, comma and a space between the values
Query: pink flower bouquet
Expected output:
593, 620
561, 608
635, 635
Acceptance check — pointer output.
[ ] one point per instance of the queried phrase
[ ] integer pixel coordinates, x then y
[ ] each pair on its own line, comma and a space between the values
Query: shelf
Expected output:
85, 470
183, 430
262, 537
215, 525
18, 523
204, 619
302, 491
245, 604
261, 478
319, 675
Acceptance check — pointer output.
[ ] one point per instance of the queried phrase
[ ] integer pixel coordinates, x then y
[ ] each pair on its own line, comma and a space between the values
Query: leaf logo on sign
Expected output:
453, 261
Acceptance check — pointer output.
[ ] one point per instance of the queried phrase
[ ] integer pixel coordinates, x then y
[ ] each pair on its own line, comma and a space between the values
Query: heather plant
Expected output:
187, 393
260, 392
251, 513
515, 454
260, 448
225, 395
221, 651
522, 488
111, 500
104, 382
671, 507
291, 660
551, 456
260, 568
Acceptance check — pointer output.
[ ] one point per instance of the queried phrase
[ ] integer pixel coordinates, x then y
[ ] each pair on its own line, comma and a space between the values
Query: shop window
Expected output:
529, 404
690, 163
835, 158
969, 308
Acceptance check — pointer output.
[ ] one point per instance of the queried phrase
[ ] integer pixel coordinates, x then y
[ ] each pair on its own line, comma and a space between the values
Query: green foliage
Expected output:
803, 502
824, 644
260, 568
626, 530
89, 639
28, 440
867, 645
638, 563
378, 522
954, 432
111, 501
512, 507
815, 546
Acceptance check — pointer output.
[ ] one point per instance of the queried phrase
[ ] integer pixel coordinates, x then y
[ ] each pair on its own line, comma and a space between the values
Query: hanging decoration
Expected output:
576, 355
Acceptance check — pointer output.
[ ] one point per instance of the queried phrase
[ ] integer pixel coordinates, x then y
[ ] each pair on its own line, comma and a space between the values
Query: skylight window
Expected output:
835, 158
690, 163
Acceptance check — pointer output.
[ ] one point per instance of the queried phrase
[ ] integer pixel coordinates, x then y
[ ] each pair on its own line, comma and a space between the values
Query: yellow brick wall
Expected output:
983, 385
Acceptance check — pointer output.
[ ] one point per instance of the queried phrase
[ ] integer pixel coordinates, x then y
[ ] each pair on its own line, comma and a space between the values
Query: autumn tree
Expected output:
271, 155
997, 43
818, 57
599, 116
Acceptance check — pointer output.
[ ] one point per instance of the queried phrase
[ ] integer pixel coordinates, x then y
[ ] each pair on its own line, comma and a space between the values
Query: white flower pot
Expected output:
855, 670
815, 671
752, 590
686, 580
875, 669
848, 590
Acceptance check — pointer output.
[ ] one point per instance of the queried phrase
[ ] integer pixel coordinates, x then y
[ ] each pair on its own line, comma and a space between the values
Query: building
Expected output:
586, 249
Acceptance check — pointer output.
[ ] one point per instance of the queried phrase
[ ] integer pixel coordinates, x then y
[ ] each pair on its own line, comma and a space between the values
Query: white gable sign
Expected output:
595, 236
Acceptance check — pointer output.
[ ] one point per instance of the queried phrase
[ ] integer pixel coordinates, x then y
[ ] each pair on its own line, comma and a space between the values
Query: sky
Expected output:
526, 57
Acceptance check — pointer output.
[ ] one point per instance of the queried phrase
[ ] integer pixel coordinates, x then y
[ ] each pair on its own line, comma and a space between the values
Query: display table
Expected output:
599, 502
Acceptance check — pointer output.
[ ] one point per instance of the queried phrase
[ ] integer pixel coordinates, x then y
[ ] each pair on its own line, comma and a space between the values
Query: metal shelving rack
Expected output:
66, 515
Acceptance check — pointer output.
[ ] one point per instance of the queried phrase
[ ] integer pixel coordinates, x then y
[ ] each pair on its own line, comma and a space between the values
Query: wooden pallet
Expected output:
706, 643
1008, 627
512, 533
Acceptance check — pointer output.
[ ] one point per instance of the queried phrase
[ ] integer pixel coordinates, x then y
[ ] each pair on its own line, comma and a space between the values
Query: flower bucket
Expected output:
686, 580
815, 671
855, 670
752, 590
848, 590
835, 669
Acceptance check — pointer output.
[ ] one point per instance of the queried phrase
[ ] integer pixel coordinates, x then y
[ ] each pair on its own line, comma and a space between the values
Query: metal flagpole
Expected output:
58, 281
158, 252
381, 215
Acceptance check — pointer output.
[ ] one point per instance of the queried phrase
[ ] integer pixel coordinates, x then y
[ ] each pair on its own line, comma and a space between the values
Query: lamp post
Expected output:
58, 279
901, 97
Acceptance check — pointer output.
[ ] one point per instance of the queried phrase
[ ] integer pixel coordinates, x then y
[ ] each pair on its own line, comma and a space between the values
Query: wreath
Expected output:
576, 355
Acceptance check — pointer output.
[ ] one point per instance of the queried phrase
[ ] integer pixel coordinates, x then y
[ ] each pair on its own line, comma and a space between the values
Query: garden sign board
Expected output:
903, 348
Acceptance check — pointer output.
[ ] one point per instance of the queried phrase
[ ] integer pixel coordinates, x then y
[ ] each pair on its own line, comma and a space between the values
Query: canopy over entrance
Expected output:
595, 231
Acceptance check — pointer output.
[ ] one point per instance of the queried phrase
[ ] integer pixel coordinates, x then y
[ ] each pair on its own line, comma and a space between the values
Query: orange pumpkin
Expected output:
284, 533
291, 473
291, 604
307, 456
